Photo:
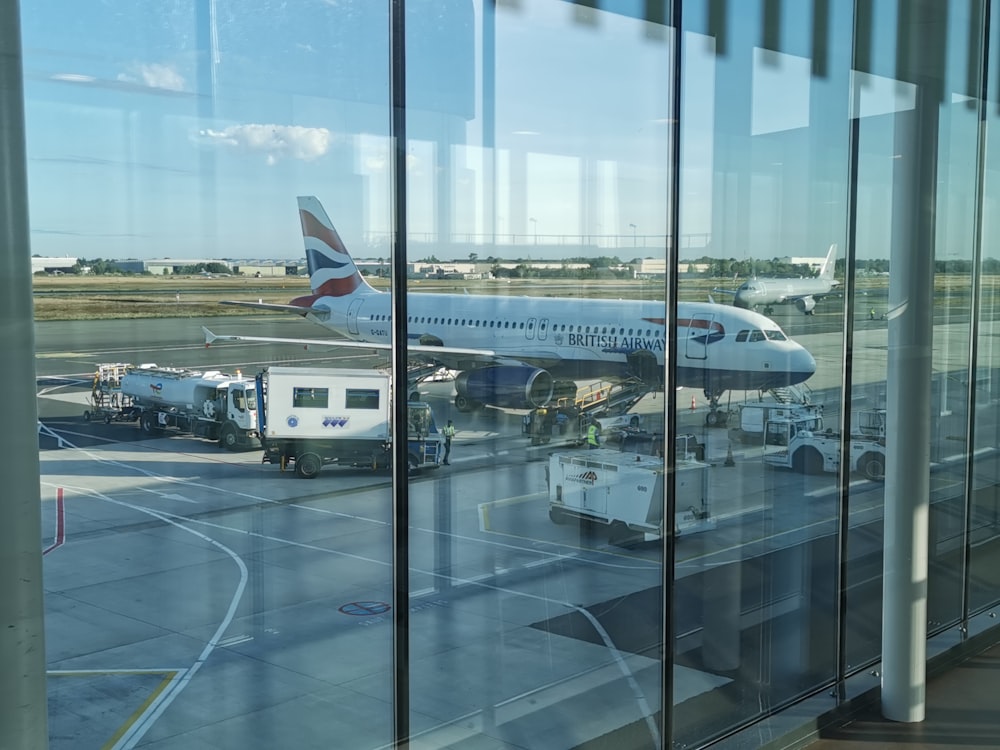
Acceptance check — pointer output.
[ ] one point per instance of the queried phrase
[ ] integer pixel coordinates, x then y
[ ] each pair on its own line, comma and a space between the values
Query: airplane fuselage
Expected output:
719, 347
763, 292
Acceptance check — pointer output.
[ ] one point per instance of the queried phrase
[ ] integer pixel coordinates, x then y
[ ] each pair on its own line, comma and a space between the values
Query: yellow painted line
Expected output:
139, 712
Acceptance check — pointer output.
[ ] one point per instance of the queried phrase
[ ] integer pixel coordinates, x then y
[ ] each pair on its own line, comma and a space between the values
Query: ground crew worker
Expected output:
871, 314
593, 439
449, 433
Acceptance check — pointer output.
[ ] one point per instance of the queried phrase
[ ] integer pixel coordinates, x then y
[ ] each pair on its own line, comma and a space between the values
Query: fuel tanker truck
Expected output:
209, 404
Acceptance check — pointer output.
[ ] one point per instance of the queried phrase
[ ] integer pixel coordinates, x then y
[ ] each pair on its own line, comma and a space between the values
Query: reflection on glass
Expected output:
190, 154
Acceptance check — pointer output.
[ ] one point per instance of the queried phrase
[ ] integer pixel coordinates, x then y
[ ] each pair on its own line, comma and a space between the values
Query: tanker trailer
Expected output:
208, 404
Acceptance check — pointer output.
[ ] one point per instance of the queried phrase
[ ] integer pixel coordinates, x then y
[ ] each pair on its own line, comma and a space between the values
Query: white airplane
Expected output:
803, 293
510, 350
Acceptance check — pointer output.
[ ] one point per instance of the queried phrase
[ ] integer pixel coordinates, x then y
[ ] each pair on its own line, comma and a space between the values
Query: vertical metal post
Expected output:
23, 718
908, 412
400, 453
672, 256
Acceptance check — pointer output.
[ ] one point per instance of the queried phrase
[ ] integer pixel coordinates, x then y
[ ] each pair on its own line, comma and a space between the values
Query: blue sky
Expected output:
159, 130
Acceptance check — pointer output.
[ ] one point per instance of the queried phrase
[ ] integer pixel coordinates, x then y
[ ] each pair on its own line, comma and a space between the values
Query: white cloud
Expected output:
154, 75
275, 141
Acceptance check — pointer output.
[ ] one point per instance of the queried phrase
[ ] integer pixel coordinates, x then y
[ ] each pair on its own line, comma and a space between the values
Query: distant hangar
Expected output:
176, 266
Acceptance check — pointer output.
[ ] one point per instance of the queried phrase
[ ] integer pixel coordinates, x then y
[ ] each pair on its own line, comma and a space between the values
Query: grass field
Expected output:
106, 297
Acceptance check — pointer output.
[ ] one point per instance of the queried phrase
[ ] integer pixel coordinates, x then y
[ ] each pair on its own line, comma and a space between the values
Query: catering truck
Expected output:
625, 492
318, 416
208, 404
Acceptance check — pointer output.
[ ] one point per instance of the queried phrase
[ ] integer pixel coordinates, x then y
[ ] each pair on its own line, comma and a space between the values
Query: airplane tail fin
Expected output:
332, 272
826, 270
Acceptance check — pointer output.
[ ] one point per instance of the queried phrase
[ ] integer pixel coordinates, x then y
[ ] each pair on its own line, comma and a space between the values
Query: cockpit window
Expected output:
775, 335
756, 335
742, 335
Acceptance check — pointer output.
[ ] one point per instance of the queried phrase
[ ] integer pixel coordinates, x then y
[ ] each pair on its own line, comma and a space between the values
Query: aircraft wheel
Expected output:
872, 465
229, 438
308, 466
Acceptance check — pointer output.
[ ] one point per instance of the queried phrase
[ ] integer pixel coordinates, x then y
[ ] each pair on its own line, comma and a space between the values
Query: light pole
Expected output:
635, 241
534, 224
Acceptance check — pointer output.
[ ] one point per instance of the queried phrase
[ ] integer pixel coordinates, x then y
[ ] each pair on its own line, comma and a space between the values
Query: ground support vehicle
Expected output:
815, 453
312, 417
209, 404
625, 492
568, 415
773, 423
107, 403
687, 445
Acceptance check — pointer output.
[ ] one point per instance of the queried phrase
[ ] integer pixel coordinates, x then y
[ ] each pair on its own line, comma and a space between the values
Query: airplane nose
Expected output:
803, 363
742, 299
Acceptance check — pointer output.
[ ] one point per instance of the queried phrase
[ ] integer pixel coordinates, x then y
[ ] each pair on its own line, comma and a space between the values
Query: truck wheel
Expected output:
147, 424
229, 437
107, 419
86, 416
308, 465
872, 465
634, 423
807, 461
414, 461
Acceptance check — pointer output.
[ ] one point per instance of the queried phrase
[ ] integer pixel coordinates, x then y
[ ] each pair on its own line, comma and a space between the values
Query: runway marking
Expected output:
60, 523
235, 640
146, 705
147, 715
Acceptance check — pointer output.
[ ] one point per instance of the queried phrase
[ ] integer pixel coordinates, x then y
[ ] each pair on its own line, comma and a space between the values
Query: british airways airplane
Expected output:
509, 351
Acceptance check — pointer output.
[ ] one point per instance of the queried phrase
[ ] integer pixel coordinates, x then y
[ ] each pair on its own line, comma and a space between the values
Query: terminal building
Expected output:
665, 522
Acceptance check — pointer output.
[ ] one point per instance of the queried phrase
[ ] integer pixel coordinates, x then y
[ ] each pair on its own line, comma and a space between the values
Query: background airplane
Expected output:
803, 293
509, 351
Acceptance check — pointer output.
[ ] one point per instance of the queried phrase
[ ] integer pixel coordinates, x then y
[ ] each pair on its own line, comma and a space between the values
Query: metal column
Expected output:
23, 721
908, 412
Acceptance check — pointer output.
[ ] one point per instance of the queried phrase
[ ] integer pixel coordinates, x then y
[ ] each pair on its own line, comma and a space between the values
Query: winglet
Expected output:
209, 337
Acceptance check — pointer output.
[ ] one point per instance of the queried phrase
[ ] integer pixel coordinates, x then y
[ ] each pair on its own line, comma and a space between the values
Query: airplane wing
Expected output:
720, 290
454, 358
297, 309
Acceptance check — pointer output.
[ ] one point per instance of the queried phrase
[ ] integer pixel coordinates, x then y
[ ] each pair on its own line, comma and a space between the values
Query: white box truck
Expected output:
773, 423
313, 416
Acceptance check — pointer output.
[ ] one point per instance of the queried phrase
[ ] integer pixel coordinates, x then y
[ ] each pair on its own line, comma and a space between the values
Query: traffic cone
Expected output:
693, 404
729, 457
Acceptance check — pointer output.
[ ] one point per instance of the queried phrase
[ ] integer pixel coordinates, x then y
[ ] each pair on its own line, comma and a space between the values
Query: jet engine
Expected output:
805, 304
506, 386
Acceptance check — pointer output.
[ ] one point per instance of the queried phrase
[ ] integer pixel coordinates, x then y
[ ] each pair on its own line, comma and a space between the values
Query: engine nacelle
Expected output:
506, 386
805, 304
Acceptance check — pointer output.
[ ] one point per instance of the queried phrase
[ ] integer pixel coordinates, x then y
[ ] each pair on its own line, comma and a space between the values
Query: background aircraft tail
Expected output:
332, 272
826, 270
